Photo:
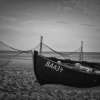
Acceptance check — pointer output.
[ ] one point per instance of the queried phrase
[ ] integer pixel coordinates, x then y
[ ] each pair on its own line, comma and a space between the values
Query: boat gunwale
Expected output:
73, 68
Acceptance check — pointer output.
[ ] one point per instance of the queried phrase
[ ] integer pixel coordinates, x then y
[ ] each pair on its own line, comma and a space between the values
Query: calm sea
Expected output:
87, 56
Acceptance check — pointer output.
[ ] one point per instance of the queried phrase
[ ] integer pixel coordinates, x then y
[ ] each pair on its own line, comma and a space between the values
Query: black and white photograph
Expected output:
49, 49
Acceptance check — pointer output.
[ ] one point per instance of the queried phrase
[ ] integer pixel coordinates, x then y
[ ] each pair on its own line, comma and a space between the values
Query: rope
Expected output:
59, 53
9, 46
45, 46
15, 55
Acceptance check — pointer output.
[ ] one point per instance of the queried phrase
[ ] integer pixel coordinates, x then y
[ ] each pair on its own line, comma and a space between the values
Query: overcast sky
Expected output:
63, 23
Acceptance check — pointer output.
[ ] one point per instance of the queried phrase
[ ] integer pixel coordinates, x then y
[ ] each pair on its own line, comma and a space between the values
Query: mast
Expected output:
41, 40
81, 52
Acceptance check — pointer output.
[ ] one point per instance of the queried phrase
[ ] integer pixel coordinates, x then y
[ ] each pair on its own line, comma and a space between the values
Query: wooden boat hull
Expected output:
50, 72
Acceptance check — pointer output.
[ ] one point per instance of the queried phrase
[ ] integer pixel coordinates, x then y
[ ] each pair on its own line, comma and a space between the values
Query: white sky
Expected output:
63, 23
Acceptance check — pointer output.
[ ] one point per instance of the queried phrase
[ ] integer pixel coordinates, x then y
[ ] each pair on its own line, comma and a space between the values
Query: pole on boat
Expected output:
81, 53
41, 40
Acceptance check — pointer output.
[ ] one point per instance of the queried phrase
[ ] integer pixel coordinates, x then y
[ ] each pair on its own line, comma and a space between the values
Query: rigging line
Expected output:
27, 51
61, 54
19, 52
9, 46
54, 50
37, 46
11, 57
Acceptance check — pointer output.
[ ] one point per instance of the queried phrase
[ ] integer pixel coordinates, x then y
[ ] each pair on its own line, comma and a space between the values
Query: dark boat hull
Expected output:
50, 72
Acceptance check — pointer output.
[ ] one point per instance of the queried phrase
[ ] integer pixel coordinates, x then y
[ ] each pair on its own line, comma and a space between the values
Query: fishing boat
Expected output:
50, 70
